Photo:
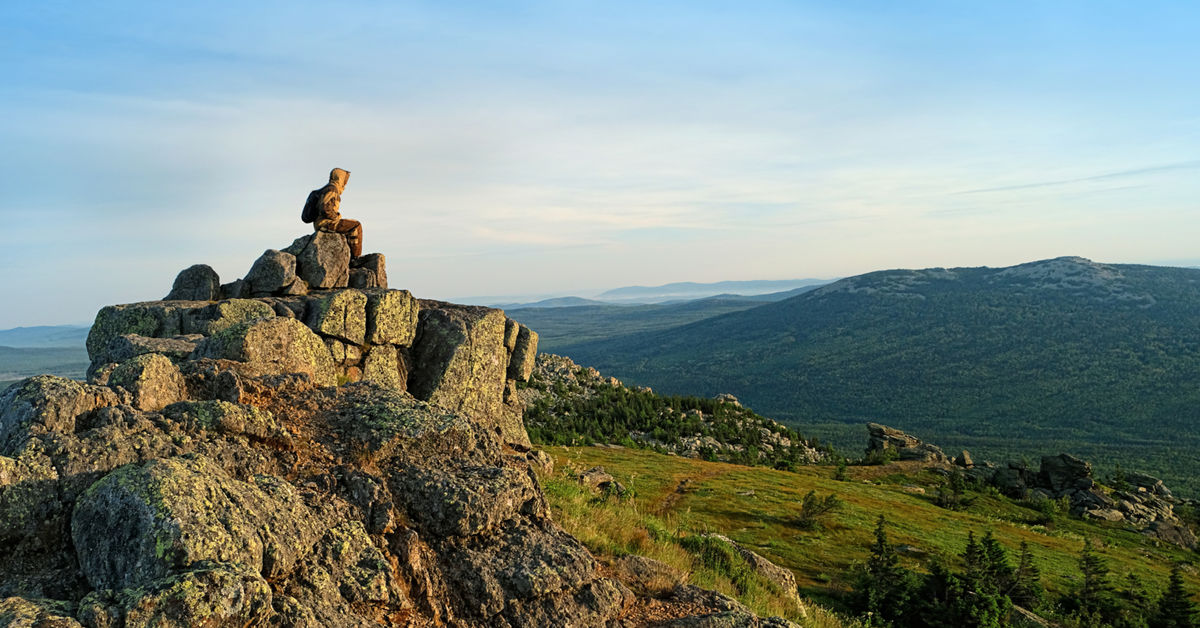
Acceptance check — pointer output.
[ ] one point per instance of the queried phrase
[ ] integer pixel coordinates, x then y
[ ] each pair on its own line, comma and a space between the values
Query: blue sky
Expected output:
571, 147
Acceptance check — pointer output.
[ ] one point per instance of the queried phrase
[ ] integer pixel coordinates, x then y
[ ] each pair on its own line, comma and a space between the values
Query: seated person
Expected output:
321, 209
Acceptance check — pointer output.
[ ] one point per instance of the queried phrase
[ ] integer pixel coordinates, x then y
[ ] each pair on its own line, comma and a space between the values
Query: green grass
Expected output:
759, 507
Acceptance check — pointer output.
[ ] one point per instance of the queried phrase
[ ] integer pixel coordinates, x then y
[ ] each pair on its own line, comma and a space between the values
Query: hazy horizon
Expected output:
551, 149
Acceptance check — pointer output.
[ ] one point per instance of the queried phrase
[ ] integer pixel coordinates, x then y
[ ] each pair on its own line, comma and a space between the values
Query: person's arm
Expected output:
330, 204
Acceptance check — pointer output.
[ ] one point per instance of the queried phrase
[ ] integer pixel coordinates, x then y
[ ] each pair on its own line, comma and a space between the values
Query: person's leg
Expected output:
353, 232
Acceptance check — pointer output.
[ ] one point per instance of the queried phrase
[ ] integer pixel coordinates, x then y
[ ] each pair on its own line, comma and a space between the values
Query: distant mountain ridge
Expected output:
1035, 357
43, 336
692, 290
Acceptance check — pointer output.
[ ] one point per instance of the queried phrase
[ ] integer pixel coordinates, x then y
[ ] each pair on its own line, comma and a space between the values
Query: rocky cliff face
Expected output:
302, 457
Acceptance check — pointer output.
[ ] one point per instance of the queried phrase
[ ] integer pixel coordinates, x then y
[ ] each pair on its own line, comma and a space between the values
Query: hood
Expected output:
339, 177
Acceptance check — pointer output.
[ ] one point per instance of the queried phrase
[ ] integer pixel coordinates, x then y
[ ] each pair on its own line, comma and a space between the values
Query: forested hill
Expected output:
1056, 355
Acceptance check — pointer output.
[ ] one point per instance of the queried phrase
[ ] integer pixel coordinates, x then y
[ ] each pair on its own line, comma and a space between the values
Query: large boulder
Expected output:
1064, 473
152, 379
47, 404
125, 347
158, 319
459, 363
322, 260
273, 346
145, 522
216, 317
213, 594
341, 315
375, 267
782, 578
272, 272
391, 317
524, 354
195, 283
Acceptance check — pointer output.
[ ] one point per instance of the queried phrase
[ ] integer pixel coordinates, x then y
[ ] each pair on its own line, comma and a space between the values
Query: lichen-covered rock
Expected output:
16, 612
459, 363
322, 260
273, 346
195, 283
235, 289
227, 418
217, 317
153, 380
384, 367
511, 328
271, 272
724, 611
125, 347
145, 522
47, 404
212, 594
348, 570
524, 354
467, 500
391, 317
341, 315
157, 319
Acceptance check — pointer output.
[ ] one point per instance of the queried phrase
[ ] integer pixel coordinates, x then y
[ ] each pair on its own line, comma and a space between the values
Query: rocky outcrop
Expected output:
451, 355
885, 439
297, 504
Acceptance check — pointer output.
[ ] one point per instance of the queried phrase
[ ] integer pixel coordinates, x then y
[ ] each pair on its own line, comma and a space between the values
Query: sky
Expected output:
554, 148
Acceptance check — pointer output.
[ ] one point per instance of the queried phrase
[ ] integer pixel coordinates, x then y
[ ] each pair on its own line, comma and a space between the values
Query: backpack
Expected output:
312, 206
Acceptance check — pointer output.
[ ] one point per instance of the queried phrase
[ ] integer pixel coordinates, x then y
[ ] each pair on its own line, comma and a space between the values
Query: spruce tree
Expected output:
1175, 608
996, 564
1027, 589
1095, 595
883, 588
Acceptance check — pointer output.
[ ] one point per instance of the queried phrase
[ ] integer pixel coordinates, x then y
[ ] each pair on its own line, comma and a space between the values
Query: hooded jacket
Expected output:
330, 196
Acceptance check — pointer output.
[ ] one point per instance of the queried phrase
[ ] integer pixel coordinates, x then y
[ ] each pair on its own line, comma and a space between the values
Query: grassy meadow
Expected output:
757, 507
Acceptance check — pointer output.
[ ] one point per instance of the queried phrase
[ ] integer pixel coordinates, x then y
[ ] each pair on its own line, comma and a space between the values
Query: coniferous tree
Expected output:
883, 588
1095, 595
996, 564
1026, 589
1175, 608
980, 602
1134, 605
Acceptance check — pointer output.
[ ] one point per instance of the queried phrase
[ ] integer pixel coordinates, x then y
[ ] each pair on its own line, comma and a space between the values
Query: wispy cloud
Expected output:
1119, 174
